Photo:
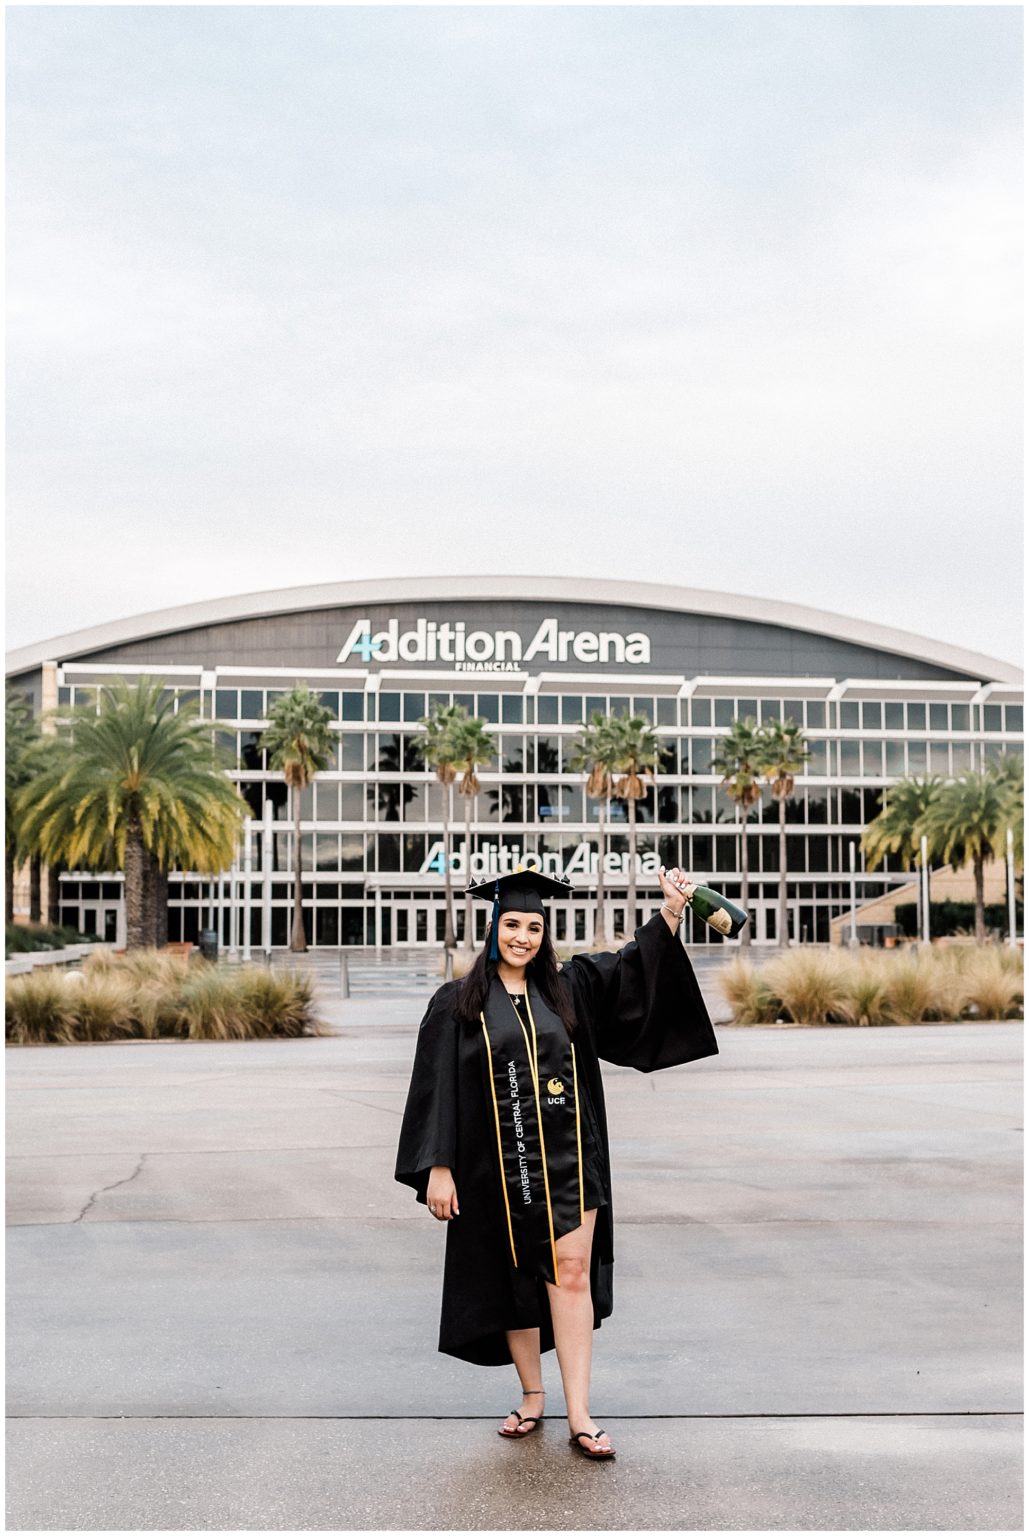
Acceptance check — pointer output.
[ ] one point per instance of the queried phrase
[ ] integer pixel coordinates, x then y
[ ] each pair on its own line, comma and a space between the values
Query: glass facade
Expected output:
372, 824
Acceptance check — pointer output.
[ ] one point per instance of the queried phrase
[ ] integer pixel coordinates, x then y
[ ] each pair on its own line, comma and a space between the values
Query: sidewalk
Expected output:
223, 1311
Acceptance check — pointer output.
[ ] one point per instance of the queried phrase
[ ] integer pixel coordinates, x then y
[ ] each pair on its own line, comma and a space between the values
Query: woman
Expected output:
504, 1135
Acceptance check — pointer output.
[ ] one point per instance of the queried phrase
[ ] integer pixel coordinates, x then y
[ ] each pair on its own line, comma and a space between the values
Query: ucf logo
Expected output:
555, 1088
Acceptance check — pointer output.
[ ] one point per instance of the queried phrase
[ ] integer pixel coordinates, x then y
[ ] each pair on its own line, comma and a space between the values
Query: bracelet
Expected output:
677, 915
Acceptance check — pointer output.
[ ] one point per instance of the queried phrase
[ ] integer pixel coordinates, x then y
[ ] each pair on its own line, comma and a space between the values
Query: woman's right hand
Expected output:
441, 1195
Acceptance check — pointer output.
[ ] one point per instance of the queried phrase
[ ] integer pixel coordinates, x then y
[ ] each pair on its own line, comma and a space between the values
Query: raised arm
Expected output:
643, 1003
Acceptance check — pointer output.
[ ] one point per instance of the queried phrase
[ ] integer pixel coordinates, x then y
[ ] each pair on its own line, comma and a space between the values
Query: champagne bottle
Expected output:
721, 914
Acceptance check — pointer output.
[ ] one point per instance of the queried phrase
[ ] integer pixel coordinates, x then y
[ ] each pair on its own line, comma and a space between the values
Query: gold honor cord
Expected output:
578, 1134
500, 1145
534, 1058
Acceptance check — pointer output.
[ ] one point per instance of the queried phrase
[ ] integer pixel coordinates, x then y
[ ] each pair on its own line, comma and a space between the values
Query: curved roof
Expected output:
642, 594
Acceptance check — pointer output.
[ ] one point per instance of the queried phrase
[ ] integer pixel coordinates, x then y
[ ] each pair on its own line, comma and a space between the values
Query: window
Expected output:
992, 718
894, 713
351, 753
595, 704
959, 717
895, 759
389, 706
918, 757
816, 714
725, 710
666, 711
873, 757
1014, 718
330, 701
547, 709
251, 704
700, 755
512, 711
916, 717
353, 706
849, 715
644, 707
872, 715
701, 712
489, 708
938, 717
226, 704
850, 758
414, 706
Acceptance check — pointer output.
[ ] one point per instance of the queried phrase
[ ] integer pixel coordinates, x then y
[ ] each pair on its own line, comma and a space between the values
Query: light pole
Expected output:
853, 896
1012, 934
925, 890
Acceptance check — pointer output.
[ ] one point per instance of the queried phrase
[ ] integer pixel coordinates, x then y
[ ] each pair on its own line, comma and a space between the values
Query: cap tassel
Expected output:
494, 952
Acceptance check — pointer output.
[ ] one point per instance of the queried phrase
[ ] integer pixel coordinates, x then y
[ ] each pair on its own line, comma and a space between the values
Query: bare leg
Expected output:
571, 1309
524, 1344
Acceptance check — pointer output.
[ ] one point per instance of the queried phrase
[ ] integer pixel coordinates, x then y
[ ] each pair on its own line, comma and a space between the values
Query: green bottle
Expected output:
721, 914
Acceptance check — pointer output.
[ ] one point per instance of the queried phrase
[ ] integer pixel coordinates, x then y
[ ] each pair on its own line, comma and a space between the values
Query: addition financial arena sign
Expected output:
492, 650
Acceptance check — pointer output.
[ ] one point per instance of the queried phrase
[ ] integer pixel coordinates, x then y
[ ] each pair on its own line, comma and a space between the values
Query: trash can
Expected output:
209, 943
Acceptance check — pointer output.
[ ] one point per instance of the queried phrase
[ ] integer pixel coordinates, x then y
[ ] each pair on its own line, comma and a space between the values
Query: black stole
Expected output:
533, 1080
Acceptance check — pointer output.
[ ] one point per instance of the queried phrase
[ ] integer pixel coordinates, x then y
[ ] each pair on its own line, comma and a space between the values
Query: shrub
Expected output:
990, 986
808, 984
918, 988
873, 987
748, 993
864, 984
39, 1010
103, 1007
148, 996
274, 1004
25, 939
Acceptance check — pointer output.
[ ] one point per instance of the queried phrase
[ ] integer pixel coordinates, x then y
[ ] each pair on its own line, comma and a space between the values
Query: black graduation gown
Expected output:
638, 1007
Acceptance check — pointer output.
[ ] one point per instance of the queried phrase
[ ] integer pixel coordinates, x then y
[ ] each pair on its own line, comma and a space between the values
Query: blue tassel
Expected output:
494, 952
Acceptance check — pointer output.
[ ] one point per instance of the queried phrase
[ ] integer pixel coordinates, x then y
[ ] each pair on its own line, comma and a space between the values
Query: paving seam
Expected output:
488, 1418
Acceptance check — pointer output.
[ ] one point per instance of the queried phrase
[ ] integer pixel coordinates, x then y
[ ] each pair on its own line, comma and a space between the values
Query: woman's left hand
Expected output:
673, 888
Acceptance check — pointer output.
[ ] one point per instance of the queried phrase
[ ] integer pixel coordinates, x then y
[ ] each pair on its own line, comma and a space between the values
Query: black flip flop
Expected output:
604, 1454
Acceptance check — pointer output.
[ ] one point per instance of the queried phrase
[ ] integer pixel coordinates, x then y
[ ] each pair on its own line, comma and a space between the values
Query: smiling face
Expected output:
519, 937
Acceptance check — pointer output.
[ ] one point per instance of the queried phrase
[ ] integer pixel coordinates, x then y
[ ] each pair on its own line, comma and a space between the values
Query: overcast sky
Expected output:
721, 297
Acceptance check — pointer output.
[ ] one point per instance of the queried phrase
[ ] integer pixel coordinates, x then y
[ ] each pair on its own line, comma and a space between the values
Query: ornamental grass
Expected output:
873, 987
149, 996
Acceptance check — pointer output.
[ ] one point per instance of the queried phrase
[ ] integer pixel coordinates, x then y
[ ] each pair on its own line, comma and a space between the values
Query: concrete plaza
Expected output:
223, 1312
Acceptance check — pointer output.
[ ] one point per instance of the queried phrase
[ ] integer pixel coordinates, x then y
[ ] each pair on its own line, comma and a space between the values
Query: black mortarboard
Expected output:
520, 891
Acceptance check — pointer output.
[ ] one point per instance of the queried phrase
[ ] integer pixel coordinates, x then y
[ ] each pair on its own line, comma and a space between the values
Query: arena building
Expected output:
534, 657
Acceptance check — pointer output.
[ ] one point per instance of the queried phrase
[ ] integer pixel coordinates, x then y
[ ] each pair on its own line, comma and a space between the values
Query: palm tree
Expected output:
440, 749
594, 752
784, 755
130, 785
473, 745
299, 745
897, 830
1010, 772
635, 754
967, 822
740, 760
21, 737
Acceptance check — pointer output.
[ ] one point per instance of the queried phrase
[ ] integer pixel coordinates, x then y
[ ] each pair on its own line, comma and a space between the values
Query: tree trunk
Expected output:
9, 888
469, 922
53, 894
149, 898
744, 873
630, 916
980, 907
784, 915
35, 888
160, 907
448, 898
600, 922
135, 855
298, 941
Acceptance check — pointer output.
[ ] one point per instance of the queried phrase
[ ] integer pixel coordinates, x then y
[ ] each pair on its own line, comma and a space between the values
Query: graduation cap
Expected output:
522, 890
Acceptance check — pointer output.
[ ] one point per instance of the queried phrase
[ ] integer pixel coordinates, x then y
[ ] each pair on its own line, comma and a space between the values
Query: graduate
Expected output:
504, 1136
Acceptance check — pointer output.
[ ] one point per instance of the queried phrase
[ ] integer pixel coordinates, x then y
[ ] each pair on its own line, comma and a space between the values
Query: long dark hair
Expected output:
473, 989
